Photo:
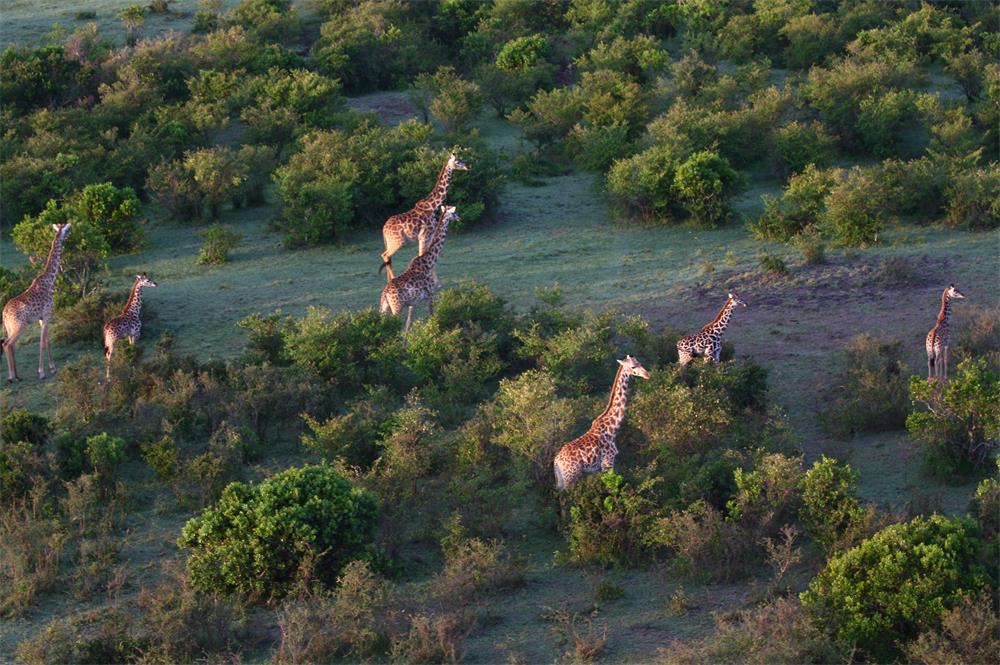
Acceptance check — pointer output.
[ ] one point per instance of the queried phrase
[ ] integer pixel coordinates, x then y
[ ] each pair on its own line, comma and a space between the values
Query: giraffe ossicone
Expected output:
595, 450
938, 341
418, 222
34, 304
707, 342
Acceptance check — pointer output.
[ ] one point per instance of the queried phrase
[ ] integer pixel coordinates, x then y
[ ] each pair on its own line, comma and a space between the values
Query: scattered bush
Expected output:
22, 425
29, 560
968, 634
706, 546
254, 540
103, 635
810, 243
474, 568
831, 509
772, 265
868, 393
219, 241
432, 639
896, 584
961, 426
609, 520
20, 469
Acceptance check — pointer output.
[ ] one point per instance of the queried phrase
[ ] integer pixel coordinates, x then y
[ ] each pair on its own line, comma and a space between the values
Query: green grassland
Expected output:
559, 233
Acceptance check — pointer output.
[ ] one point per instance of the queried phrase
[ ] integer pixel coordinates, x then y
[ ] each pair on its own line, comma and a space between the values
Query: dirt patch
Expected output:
391, 108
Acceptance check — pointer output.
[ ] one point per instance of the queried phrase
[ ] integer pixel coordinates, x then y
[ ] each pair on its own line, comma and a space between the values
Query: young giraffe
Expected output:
35, 304
596, 449
419, 280
419, 221
128, 324
708, 341
939, 338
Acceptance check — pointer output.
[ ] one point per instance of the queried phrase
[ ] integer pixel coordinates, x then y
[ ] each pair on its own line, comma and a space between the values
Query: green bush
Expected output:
681, 418
869, 390
456, 102
800, 206
644, 184
771, 264
22, 425
348, 350
961, 426
880, 119
352, 437
255, 541
523, 53
702, 182
896, 584
854, 208
831, 509
219, 241
797, 145
609, 520
105, 452
810, 37
972, 200
20, 468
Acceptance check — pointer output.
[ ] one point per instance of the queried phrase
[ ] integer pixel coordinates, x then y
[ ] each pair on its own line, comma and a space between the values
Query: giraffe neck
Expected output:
47, 278
436, 197
614, 414
945, 309
134, 303
722, 319
433, 250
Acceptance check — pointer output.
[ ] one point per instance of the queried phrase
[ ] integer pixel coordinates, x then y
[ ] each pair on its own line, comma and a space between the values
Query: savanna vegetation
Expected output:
277, 473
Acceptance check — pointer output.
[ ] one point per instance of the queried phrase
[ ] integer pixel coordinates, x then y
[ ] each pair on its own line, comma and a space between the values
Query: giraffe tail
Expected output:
560, 481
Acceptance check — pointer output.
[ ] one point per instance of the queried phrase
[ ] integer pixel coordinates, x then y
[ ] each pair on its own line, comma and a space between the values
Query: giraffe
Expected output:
939, 338
596, 449
419, 221
35, 304
419, 280
708, 341
128, 324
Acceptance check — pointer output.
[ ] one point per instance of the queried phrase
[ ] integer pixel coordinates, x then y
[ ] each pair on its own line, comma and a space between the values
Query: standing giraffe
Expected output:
708, 341
419, 221
128, 324
596, 449
35, 304
419, 280
939, 338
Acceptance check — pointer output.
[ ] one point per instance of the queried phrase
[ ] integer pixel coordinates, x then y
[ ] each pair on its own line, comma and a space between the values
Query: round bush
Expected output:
22, 425
258, 537
897, 583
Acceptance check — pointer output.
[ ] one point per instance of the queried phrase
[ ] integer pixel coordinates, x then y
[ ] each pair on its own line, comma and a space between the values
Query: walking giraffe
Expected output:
419, 280
939, 338
128, 324
419, 221
35, 304
708, 341
596, 449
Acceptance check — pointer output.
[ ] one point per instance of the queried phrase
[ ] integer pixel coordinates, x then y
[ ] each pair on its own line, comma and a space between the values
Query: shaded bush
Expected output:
797, 145
351, 622
219, 241
908, 575
831, 509
968, 634
869, 392
853, 214
254, 540
706, 545
609, 520
33, 544
23, 425
799, 207
972, 201
103, 635
961, 426
352, 438
21, 468
474, 568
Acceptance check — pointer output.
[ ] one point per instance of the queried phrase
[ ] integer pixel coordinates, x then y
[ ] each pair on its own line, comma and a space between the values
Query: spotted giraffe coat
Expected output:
128, 324
419, 281
708, 341
595, 449
939, 338
418, 222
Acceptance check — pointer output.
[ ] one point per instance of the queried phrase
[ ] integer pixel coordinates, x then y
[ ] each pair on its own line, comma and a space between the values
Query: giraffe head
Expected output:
737, 300
954, 293
456, 164
632, 367
144, 280
448, 214
62, 230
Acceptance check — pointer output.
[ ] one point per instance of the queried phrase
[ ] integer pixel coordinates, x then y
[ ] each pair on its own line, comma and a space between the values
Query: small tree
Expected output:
219, 241
961, 426
830, 508
702, 183
218, 173
132, 18
457, 102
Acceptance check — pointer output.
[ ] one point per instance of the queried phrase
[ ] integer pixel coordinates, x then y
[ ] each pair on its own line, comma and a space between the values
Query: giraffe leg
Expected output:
930, 365
944, 365
48, 352
430, 306
409, 319
10, 352
41, 348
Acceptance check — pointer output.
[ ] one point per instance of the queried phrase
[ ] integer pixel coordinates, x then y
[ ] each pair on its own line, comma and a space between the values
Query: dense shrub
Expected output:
255, 539
352, 437
961, 426
609, 520
801, 205
797, 145
456, 102
523, 53
896, 584
702, 182
219, 241
22, 425
972, 201
831, 509
854, 208
20, 468
475, 568
644, 183
810, 37
869, 391
880, 119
